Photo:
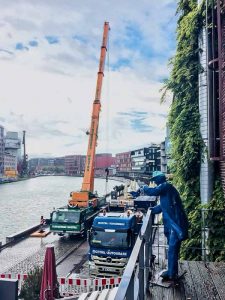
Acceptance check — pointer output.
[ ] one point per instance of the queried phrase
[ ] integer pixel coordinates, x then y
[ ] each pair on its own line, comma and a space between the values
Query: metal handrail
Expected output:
130, 286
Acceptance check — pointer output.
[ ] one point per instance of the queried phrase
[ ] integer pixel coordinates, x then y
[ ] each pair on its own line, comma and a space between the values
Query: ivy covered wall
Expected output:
186, 140
184, 121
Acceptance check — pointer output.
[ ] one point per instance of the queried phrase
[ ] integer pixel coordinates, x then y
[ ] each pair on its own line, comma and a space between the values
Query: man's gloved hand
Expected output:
135, 194
140, 191
143, 189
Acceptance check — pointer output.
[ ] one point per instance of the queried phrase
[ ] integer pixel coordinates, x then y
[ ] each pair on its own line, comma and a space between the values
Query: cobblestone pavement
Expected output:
76, 264
30, 252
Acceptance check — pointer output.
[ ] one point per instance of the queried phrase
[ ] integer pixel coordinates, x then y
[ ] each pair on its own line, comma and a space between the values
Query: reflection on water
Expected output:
23, 203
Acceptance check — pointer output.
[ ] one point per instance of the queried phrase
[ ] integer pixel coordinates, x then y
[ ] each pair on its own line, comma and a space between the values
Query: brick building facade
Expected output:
103, 161
123, 163
74, 164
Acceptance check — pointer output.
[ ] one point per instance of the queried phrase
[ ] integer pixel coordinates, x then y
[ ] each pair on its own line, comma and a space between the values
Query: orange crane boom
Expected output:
81, 199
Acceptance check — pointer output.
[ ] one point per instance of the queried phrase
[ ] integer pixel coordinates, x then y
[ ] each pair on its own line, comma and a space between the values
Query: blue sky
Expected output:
49, 54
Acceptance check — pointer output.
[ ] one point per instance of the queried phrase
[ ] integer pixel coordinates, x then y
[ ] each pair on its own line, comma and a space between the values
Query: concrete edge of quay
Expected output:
18, 236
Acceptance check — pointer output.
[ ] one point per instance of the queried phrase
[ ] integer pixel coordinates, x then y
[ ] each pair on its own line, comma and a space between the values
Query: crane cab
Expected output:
83, 199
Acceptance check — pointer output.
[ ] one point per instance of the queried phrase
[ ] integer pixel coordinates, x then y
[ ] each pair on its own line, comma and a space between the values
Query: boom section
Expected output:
85, 197
88, 179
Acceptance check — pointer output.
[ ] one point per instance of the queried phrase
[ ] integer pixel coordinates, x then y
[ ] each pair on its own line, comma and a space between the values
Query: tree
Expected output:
32, 285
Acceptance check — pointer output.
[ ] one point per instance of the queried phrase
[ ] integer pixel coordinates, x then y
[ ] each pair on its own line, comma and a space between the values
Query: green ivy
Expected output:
184, 120
215, 222
187, 144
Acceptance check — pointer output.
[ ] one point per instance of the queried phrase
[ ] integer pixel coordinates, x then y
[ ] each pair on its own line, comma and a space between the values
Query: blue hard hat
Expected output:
156, 174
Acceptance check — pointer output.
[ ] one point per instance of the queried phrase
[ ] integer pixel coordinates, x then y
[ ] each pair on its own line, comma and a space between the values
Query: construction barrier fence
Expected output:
73, 286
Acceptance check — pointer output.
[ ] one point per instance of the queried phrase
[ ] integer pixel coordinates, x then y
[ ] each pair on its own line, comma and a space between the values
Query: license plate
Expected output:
106, 269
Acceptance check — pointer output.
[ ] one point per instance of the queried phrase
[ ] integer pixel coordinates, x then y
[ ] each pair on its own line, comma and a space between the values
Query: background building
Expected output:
12, 153
46, 166
139, 163
165, 154
10, 165
74, 164
103, 161
163, 157
123, 164
145, 161
13, 144
2, 150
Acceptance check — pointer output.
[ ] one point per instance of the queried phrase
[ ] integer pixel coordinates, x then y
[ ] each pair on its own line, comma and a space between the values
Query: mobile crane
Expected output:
84, 205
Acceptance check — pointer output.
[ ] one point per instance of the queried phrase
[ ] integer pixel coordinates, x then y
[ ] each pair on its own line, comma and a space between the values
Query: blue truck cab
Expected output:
111, 240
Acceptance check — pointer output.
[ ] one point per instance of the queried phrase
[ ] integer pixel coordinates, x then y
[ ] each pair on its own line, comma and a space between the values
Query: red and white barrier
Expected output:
70, 286
73, 286
105, 283
14, 276
20, 277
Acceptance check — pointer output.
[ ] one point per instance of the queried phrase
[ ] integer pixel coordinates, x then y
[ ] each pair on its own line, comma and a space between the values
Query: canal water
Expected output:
22, 203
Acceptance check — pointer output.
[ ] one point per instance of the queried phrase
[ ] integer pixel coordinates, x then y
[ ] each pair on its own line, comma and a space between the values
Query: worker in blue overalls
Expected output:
174, 219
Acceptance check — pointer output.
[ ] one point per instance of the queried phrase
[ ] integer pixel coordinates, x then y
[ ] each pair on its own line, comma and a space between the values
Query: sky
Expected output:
49, 57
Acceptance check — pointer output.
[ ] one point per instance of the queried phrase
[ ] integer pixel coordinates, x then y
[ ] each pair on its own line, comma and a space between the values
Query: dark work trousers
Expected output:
173, 254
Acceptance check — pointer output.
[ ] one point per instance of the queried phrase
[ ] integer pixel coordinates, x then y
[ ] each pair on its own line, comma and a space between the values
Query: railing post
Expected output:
130, 290
131, 287
148, 253
141, 272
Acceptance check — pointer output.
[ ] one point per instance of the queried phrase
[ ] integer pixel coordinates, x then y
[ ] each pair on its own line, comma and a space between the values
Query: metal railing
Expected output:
211, 225
135, 281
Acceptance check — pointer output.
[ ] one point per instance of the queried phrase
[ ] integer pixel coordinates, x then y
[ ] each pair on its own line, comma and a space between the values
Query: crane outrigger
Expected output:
84, 205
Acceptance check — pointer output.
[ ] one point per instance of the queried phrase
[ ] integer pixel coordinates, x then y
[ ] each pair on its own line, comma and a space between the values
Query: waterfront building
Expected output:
123, 164
103, 161
36, 165
13, 143
46, 165
165, 153
10, 165
60, 162
138, 162
163, 157
74, 164
12, 152
2, 150
145, 161
153, 159
50, 162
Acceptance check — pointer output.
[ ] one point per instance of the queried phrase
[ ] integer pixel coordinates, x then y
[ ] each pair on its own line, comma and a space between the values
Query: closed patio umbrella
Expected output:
49, 284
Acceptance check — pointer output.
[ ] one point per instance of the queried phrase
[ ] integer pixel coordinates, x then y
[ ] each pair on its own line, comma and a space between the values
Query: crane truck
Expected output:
76, 217
111, 240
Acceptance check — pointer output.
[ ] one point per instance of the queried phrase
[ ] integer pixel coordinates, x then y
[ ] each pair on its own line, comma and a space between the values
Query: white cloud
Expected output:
48, 89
